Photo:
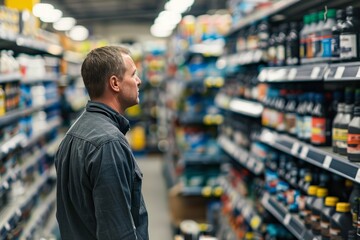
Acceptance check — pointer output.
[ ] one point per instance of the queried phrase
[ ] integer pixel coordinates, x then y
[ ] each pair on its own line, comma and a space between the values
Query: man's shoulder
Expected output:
95, 130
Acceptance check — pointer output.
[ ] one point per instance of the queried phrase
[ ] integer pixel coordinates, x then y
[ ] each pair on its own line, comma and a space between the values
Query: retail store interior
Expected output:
248, 126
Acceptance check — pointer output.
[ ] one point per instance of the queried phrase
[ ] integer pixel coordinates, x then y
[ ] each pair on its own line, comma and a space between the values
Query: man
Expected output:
98, 181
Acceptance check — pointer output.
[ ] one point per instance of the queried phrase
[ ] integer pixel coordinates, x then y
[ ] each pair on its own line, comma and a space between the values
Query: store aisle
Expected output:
155, 194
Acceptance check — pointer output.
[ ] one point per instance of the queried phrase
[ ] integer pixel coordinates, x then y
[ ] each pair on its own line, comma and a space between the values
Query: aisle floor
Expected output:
155, 195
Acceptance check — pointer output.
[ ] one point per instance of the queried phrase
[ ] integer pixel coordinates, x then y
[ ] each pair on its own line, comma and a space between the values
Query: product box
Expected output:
186, 207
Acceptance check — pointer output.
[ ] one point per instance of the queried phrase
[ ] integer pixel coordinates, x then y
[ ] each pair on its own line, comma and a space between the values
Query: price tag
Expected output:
327, 162
339, 72
292, 74
287, 219
262, 76
295, 148
246, 211
357, 177
315, 72
304, 152
358, 73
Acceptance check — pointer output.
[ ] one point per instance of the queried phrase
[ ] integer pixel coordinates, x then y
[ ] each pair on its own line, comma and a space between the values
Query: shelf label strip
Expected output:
357, 177
358, 73
339, 72
327, 161
295, 148
304, 152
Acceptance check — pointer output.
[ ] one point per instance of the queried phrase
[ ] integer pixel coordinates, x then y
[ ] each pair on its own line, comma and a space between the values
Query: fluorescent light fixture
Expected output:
40, 8
64, 24
159, 32
179, 6
51, 16
168, 17
79, 33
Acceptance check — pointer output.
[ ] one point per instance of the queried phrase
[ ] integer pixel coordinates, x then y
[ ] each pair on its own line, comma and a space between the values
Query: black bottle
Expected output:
293, 45
325, 217
353, 137
281, 46
336, 30
271, 53
349, 37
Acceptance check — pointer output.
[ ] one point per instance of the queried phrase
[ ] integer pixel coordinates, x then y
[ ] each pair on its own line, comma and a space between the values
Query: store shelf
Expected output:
241, 155
53, 124
290, 221
206, 191
14, 210
319, 156
343, 72
12, 116
243, 205
38, 215
10, 77
208, 82
203, 159
243, 58
301, 73
238, 105
21, 44
204, 119
277, 7
49, 77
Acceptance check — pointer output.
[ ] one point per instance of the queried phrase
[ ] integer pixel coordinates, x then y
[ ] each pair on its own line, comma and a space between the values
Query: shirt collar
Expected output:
120, 121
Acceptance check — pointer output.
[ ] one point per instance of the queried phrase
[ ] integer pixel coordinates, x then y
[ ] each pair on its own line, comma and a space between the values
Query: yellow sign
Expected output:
21, 4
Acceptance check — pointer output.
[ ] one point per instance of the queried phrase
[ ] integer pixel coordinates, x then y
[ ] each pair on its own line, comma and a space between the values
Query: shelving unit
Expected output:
27, 155
315, 74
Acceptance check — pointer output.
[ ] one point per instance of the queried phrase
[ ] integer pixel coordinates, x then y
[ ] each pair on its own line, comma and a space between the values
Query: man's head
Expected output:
109, 74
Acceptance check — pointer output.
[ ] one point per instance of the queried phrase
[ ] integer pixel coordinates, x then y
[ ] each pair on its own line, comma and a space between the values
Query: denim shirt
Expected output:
98, 181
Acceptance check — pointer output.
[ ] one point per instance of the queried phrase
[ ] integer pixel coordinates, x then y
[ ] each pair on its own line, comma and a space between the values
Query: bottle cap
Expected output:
331, 13
343, 207
331, 201
321, 192
307, 178
312, 190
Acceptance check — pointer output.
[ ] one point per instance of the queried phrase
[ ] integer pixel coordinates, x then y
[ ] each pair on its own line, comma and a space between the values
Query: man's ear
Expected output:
114, 83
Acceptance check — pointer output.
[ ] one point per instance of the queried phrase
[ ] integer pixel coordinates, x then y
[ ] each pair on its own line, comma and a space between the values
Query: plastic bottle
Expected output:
290, 115
300, 110
2, 101
325, 217
311, 36
349, 37
354, 201
318, 34
293, 45
335, 126
281, 46
326, 33
303, 36
336, 30
311, 195
263, 36
316, 210
272, 48
353, 137
308, 116
320, 127
343, 129
341, 222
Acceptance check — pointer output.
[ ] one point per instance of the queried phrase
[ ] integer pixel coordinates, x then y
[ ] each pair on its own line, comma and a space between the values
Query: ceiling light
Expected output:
179, 6
51, 16
159, 32
40, 8
79, 33
168, 17
165, 26
64, 24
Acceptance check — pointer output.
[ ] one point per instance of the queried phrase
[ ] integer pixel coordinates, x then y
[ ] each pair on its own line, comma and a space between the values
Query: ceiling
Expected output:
88, 12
